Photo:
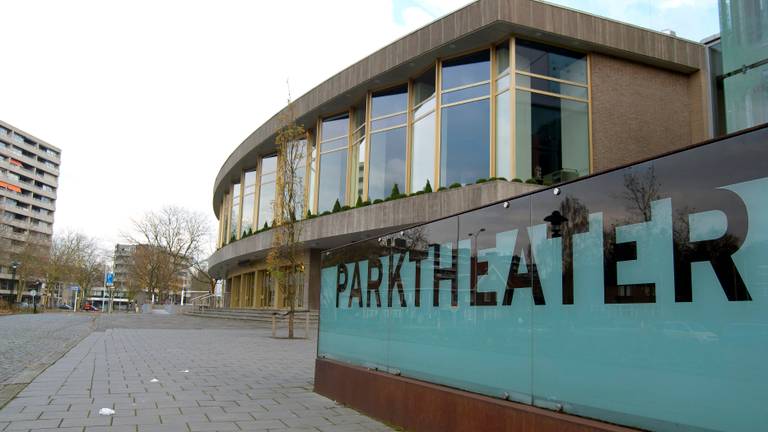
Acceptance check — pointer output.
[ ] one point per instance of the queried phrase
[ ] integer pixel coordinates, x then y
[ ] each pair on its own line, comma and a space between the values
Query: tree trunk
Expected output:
290, 322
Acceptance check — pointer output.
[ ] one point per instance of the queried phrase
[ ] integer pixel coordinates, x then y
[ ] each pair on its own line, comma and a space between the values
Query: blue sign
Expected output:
74, 288
110, 279
638, 296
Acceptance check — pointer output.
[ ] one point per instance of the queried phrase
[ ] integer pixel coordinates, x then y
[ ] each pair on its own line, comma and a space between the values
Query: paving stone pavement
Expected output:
238, 379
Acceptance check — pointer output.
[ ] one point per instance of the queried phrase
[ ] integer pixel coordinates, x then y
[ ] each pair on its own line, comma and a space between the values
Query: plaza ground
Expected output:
161, 373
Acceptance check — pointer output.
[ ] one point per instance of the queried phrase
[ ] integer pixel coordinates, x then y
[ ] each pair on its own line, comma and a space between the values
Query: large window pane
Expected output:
550, 61
466, 70
234, 214
389, 101
552, 138
423, 153
312, 177
465, 142
266, 198
249, 188
503, 136
333, 173
267, 190
333, 162
387, 163
466, 93
551, 86
424, 87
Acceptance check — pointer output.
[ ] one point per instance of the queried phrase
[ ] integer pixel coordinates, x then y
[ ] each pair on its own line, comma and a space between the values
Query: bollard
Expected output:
274, 325
306, 326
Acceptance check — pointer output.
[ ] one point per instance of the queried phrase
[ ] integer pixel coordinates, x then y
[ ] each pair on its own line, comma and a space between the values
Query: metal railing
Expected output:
285, 316
203, 302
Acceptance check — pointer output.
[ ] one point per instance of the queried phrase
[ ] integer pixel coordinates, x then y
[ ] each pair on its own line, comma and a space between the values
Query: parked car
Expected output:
90, 307
65, 307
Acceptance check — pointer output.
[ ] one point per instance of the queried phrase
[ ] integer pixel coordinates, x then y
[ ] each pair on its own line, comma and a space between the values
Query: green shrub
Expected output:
454, 186
366, 203
442, 188
336, 207
344, 208
417, 193
309, 214
265, 227
517, 180
326, 212
376, 201
482, 180
233, 238
359, 202
532, 181
395, 194
428, 187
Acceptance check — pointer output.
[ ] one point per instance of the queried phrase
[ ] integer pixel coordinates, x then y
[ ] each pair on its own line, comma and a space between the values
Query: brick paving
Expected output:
238, 379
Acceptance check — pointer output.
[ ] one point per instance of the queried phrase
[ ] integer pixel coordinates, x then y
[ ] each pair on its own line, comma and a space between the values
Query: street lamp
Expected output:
14, 266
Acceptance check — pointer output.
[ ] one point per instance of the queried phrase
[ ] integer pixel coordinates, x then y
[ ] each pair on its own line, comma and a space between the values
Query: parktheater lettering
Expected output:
362, 283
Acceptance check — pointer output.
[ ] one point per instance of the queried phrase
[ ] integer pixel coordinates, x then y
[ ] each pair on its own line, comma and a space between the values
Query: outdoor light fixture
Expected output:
556, 191
506, 204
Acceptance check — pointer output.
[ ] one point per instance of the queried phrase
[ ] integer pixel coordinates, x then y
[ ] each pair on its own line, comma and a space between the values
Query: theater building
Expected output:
492, 101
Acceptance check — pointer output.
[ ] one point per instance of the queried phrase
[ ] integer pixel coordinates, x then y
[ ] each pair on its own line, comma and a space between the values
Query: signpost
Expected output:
109, 283
33, 293
75, 289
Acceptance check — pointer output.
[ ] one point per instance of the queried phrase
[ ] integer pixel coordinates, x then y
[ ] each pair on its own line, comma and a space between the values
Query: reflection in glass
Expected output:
267, 190
333, 162
551, 86
552, 138
388, 142
333, 170
550, 61
465, 70
357, 175
234, 214
249, 192
503, 136
387, 162
312, 175
423, 130
465, 137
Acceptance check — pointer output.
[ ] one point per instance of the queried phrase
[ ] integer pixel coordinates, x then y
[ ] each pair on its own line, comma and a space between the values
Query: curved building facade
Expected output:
517, 91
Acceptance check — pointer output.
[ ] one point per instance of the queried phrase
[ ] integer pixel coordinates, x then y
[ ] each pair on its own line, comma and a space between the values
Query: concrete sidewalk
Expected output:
237, 379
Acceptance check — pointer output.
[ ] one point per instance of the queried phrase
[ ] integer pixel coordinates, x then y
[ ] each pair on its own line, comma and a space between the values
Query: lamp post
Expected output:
14, 265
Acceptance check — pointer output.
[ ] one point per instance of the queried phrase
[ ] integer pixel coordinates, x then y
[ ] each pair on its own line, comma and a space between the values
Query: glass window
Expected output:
550, 61
550, 86
466, 70
312, 174
357, 175
423, 142
552, 138
333, 168
465, 125
503, 136
267, 191
234, 214
249, 192
465, 137
298, 153
333, 162
388, 142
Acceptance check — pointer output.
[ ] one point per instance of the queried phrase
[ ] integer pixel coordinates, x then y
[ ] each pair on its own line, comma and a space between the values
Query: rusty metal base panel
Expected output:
423, 407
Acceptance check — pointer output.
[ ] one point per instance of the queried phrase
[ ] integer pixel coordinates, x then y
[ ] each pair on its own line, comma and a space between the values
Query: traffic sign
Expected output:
74, 288
33, 293
110, 279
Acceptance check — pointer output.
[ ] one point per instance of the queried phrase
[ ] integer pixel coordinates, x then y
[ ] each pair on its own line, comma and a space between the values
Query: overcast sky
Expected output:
147, 98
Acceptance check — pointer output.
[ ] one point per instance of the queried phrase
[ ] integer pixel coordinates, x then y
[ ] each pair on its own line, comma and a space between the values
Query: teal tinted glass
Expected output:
550, 61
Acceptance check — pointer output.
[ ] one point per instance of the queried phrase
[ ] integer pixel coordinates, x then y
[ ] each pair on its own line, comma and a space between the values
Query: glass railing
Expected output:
638, 296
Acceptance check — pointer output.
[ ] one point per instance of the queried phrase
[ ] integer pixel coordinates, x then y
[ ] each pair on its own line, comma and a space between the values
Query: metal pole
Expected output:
11, 300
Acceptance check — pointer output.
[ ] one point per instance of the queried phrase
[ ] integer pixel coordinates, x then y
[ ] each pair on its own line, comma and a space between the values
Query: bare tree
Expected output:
168, 242
285, 259
32, 257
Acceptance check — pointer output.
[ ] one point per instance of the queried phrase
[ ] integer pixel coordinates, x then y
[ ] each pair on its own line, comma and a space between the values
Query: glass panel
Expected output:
312, 177
552, 138
502, 59
384, 123
248, 206
357, 176
503, 136
466, 70
298, 157
746, 98
266, 200
335, 127
234, 215
333, 175
250, 181
268, 164
651, 277
465, 143
464, 94
551, 86
424, 86
426, 107
423, 154
502, 83
334, 144
389, 101
387, 161
550, 61
268, 177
